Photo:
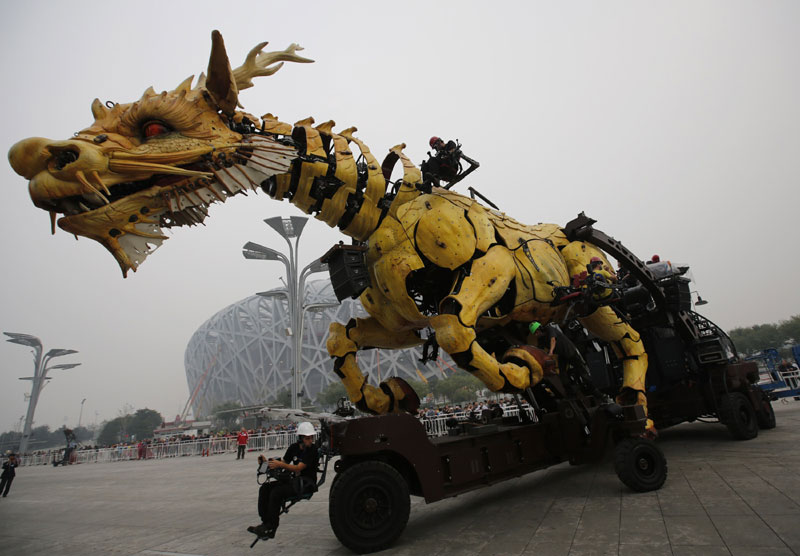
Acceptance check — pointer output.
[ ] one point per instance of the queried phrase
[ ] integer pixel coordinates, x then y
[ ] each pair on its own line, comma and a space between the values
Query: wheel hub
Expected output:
370, 505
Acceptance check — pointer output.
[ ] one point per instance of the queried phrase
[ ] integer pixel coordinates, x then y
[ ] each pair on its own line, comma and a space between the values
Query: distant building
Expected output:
181, 428
243, 353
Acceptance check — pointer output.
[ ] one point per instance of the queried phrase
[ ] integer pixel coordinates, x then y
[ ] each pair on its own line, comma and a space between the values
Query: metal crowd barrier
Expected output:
437, 426
434, 426
171, 449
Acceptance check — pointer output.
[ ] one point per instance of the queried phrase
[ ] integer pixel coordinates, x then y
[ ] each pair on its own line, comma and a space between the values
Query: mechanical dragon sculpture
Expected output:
436, 260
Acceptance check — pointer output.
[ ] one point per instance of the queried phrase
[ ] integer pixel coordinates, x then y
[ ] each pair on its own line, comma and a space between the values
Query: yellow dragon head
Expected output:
160, 161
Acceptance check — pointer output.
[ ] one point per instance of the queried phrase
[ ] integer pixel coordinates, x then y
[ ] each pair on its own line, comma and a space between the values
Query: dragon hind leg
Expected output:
394, 393
489, 278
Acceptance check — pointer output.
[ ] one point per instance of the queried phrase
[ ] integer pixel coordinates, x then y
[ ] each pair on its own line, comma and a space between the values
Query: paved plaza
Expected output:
721, 497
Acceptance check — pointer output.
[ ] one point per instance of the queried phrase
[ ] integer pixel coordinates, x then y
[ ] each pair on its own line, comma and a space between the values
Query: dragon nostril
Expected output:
64, 157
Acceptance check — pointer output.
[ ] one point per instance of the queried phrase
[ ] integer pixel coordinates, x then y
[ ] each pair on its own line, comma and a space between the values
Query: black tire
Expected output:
369, 506
766, 415
737, 413
640, 464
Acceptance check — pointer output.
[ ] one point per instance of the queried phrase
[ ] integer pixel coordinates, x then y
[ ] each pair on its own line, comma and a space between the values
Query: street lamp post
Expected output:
80, 415
289, 228
39, 378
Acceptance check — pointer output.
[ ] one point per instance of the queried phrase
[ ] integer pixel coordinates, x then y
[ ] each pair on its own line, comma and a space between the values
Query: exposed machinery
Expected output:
694, 371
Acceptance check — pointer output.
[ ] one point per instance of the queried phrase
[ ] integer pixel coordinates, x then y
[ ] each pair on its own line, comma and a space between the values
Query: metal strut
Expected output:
580, 229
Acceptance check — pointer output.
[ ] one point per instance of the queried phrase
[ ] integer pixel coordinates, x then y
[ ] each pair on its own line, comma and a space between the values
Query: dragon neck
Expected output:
325, 180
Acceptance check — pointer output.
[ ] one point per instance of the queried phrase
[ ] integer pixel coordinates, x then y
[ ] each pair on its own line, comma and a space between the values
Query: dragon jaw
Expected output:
158, 162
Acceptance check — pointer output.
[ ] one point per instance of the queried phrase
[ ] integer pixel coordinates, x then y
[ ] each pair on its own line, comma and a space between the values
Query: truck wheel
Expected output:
369, 506
766, 417
640, 464
737, 413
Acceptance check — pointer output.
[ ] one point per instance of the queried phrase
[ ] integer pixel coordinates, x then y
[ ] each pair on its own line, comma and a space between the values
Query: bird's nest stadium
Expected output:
243, 353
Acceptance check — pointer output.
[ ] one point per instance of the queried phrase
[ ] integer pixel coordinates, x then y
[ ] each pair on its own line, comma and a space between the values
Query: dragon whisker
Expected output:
132, 166
92, 189
98, 180
180, 157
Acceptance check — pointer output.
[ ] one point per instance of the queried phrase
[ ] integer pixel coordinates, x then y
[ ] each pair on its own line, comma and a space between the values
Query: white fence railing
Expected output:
159, 450
434, 426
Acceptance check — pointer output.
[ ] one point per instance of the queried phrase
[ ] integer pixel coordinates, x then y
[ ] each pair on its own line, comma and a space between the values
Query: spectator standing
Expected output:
241, 440
9, 472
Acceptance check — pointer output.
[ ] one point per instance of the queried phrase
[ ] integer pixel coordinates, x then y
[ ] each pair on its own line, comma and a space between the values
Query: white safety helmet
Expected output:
305, 429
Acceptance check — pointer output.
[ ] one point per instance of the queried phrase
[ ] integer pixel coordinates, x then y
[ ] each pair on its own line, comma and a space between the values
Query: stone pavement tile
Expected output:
727, 506
687, 505
645, 549
500, 546
594, 549
606, 484
760, 551
691, 531
745, 531
459, 546
678, 550
548, 548
601, 528
637, 504
787, 528
567, 504
770, 503
602, 504
643, 529
557, 526
419, 546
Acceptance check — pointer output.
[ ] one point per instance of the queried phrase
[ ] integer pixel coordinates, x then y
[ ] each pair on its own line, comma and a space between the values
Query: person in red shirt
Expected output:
241, 440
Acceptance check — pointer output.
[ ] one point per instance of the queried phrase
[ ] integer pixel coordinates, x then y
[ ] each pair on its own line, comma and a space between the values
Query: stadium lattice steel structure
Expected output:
242, 353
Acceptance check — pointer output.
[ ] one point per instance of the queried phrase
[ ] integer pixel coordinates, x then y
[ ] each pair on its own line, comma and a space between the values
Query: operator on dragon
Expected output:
301, 460
445, 165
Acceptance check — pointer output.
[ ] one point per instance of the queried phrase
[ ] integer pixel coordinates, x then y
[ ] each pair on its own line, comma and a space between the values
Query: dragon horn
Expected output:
220, 82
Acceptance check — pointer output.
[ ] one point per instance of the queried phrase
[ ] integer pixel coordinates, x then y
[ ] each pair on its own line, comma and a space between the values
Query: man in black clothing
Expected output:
445, 165
301, 459
570, 361
9, 472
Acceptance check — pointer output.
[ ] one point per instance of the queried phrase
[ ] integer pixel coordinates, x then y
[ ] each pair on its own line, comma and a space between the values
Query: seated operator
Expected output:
301, 459
600, 279
445, 165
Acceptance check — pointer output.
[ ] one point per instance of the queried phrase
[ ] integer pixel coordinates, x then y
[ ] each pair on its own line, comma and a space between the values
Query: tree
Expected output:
421, 388
458, 387
332, 393
772, 335
129, 427
284, 398
144, 422
111, 433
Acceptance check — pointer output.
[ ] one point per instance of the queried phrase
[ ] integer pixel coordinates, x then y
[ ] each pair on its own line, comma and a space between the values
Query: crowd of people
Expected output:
146, 448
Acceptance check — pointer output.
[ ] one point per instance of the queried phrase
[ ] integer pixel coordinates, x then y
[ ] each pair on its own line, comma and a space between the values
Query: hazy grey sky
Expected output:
675, 124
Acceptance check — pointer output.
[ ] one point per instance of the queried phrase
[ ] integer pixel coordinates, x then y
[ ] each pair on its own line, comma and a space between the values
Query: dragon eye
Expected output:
154, 129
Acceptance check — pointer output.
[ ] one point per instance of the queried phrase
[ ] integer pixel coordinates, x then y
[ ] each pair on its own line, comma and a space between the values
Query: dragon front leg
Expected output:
486, 283
627, 344
344, 341
608, 326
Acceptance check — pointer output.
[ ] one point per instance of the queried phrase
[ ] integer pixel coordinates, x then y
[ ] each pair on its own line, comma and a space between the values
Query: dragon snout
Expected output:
29, 156
62, 156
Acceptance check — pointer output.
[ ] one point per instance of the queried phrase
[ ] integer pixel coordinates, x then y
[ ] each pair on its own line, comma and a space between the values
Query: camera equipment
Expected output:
277, 474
